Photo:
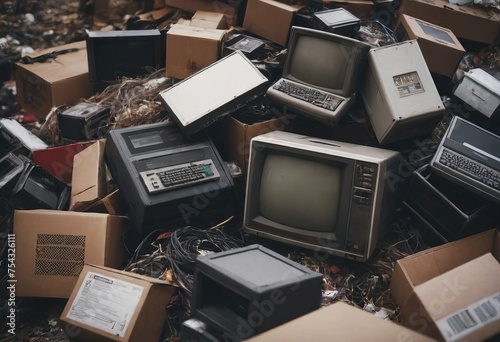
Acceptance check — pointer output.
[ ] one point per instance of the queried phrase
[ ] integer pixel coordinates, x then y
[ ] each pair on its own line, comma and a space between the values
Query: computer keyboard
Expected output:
471, 168
181, 175
316, 97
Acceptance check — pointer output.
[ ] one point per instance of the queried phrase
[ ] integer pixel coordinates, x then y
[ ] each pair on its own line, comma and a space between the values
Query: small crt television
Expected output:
324, 195
321, 74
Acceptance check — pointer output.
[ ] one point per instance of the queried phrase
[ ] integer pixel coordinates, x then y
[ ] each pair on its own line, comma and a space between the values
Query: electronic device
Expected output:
469, 156
321, 74
250, 46
218, 88
399, 93
338, 20
83, 121
11, 168
248, 290
113, 55
165, 179
449, 212
320, 194
17, 139
481, 91
38, 189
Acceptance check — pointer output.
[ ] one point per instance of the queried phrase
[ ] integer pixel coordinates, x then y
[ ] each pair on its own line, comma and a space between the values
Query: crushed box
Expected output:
474, 23
441, 49
54, 246
462, 304
270, 19
113, 305
420, 267
63, 81
341, 322
190, 49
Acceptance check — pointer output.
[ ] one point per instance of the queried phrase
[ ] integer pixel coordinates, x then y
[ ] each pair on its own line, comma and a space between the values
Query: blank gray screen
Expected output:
320, 62
300, 193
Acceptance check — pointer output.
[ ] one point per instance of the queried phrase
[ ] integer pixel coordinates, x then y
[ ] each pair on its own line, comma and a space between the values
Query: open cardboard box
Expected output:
339, 322
113, 305
462, 304
54, 245
422, 267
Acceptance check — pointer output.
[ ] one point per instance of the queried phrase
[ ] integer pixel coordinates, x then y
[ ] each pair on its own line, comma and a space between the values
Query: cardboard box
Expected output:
234, 137
230, 12
211, 20
190, 49
475, 23
63, 81
113, 305
270, 19
420, 267
441, 49
341, 322
54, 246
459, 305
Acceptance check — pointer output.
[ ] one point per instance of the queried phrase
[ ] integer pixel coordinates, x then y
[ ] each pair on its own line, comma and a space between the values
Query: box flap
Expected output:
89, 176
342, 322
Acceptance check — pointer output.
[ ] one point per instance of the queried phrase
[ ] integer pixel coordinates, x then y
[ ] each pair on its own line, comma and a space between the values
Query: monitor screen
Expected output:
286, 179
123, 57
319, 62
320, 194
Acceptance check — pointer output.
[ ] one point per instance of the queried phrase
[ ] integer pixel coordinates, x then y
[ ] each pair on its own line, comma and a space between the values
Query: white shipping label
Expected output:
105, 303
471, 318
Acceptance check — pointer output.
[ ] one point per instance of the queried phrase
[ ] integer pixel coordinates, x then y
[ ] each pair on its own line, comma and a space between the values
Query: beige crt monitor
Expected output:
399, 93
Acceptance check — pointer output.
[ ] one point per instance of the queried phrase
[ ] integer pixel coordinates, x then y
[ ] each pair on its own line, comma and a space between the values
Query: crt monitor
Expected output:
113, 55
321, 74
320, 194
